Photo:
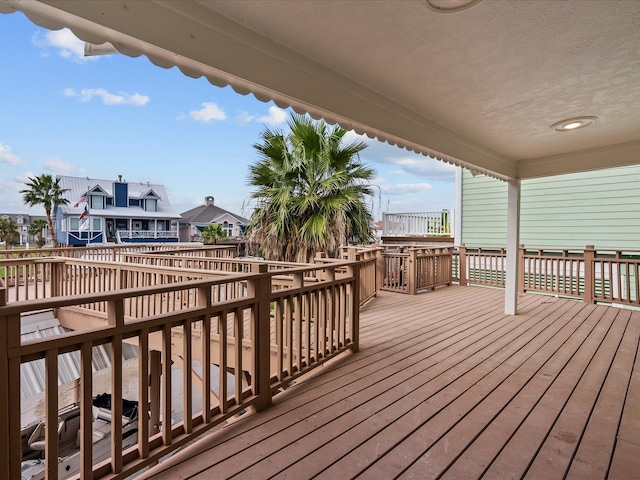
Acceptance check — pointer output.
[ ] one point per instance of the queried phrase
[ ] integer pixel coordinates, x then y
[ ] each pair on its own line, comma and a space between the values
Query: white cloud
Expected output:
6, 156
426, 167
67, 45
276, 116
410, 163
406, 188
245, 117
209, 111
58, 166
121, 98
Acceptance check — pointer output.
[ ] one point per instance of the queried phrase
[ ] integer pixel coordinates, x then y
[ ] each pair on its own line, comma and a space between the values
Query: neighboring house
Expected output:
600, 208
102, 211
23, 221
194, 220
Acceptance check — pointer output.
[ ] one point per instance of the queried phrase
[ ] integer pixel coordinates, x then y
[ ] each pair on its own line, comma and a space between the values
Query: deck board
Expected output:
445, 385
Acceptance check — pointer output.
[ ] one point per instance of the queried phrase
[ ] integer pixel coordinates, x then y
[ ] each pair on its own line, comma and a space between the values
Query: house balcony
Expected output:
141, 236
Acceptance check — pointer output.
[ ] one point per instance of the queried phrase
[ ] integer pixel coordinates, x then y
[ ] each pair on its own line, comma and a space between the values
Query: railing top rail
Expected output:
23, 306
405, 214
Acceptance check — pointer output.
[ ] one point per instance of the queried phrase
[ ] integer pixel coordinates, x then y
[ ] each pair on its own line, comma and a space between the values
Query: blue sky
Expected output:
65, 114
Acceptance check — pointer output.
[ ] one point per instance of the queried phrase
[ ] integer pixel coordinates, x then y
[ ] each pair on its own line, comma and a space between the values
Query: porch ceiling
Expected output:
479, 87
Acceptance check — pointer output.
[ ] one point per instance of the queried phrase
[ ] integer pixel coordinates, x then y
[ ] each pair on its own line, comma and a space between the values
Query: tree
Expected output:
44, 190
36, 228
311, 191
9, 231
212, 233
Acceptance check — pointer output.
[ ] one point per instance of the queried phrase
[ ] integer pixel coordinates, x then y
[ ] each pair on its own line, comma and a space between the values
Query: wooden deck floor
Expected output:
446, 386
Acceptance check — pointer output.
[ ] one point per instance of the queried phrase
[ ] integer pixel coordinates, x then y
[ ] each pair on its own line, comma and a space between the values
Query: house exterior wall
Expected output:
600, 208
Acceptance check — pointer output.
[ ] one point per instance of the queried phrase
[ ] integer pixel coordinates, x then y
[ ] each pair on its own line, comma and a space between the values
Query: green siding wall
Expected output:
600, 208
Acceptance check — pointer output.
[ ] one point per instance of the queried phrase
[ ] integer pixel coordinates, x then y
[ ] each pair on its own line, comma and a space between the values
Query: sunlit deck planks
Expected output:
447, 386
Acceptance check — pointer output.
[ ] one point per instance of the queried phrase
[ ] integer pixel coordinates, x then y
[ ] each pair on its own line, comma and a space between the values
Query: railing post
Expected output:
355, 307
379, 269
10, 446
5, 432
589, 274
462, 265
259, 287
155, 376
412, 271
521, 272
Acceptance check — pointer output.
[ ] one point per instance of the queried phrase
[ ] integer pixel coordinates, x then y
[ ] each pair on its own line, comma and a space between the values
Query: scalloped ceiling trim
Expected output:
244, 88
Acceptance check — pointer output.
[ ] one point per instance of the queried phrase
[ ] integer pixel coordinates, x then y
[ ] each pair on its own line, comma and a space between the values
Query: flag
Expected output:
80, 200
84, 213
84, 225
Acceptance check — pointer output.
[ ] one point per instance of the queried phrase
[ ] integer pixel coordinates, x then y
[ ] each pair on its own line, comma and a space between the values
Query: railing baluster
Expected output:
86, 410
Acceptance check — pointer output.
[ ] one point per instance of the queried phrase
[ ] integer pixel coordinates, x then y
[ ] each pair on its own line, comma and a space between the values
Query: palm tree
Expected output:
36, 228
212, 233
9, 231
311, 192
44, 190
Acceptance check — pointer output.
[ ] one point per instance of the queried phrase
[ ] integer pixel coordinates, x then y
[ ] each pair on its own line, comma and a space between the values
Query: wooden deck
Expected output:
447, 386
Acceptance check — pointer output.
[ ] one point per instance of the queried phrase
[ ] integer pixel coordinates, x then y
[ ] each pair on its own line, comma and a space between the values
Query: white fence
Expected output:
416, 224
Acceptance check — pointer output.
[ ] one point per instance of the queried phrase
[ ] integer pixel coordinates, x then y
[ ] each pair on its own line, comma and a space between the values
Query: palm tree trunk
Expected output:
52, 233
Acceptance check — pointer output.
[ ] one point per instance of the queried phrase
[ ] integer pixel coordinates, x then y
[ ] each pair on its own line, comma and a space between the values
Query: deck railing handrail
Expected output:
106, 252
288, 332
605, 275
413, 269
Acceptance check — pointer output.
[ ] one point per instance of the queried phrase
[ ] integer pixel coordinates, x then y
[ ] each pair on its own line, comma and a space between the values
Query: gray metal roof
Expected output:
79, 186
32, 374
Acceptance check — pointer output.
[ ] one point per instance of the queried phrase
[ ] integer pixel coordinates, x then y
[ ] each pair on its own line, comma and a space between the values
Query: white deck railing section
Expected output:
124, 235
417, 224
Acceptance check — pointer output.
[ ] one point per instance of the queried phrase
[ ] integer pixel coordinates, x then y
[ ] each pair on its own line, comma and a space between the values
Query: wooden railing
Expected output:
271, 334
480, 266
602, 275
414, 269
103, 252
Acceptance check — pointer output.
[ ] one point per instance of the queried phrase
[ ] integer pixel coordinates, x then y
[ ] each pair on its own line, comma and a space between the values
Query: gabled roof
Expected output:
81, 186
206, 214
149, 194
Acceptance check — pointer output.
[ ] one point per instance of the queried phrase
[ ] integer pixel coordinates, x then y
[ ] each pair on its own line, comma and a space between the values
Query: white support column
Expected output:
456, 222
513, 245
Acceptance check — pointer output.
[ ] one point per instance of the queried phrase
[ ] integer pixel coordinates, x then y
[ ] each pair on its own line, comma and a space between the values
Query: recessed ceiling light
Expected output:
447, 6
573, 123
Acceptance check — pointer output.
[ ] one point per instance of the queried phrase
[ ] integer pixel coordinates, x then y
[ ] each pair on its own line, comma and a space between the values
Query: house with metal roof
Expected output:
100, 211
195, 220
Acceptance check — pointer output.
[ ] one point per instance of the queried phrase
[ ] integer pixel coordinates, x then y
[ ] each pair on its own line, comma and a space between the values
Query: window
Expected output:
19, 220
97, 224
151, 205
228, 228
74, 224
134, 202
97, 201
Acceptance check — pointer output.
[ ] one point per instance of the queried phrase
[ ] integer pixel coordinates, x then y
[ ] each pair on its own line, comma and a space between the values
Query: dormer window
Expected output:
96, 201
151, 205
